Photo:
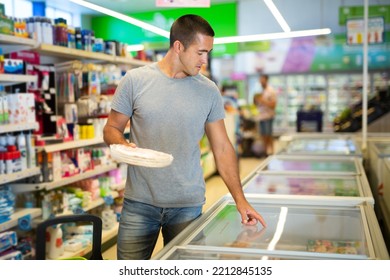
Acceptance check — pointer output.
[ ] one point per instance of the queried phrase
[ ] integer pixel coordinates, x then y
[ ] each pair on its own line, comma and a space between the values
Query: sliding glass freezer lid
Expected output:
194, 253
322, 146
304, 185
310, 164
339, 231
383, 148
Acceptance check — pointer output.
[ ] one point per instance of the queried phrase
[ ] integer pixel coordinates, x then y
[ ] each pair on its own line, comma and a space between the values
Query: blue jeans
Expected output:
140, 226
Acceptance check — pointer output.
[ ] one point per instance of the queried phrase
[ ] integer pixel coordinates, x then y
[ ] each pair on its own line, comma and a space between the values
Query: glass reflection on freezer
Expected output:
316, 229
327, 186
322, 146
199, 254
297, 164
383, 148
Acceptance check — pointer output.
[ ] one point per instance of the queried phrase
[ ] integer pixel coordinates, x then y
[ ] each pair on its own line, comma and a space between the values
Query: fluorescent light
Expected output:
134, 48
123, 17
271, 36
278, 16
222, 40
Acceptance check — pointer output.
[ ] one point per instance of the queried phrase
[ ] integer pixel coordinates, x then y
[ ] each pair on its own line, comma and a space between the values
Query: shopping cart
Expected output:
96, 221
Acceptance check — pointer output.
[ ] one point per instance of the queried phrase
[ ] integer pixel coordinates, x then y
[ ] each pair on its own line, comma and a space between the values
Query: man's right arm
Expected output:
114, 128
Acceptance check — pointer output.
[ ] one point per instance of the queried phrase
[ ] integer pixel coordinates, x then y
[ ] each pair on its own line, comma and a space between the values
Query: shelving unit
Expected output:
72, 145
13, 222
5, 128
13, 43
70, 54
106, 236
20, 188
7, 178
10, 79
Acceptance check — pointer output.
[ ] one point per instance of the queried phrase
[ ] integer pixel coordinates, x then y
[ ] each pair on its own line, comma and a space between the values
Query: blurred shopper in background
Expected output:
266, 104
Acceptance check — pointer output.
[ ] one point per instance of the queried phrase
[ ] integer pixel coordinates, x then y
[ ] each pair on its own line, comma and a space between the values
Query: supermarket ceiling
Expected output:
323, 13
123, 6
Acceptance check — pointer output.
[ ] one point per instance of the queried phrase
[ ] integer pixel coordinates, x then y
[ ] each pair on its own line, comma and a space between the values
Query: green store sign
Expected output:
222, 18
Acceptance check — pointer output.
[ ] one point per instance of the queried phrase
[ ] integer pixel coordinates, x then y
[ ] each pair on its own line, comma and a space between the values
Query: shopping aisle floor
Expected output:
215, 189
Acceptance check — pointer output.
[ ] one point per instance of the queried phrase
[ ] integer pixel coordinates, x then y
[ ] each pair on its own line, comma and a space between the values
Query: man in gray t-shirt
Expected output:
170, 107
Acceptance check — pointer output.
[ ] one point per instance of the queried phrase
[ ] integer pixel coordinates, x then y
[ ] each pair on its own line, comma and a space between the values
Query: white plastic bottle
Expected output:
21, 143
56, 248
31, 156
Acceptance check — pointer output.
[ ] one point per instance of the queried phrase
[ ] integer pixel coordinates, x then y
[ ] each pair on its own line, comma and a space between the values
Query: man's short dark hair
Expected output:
186, 27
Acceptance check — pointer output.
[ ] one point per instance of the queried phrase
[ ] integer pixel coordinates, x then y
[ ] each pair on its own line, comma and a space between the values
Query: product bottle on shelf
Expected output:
21, 143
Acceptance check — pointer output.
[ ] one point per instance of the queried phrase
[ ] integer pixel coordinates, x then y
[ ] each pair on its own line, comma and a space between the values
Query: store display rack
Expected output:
5, 128
19, 213
20, 188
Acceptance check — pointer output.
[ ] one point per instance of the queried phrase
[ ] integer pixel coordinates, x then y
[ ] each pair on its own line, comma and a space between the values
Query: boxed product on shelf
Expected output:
21, 108
13, 66
6, 25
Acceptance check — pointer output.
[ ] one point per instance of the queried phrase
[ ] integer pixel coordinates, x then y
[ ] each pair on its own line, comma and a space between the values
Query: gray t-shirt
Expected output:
167, 115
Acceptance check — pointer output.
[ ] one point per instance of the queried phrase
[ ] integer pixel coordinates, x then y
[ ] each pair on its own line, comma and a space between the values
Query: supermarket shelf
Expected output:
10, 79
20, 188
94, 204
69, 53
106, 236
13, 43
72, 145
7, 178
33, 212
5, 128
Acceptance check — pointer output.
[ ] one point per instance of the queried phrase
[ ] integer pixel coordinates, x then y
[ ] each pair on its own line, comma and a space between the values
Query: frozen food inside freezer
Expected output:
312, 164
290, 228
322, 146
301, 185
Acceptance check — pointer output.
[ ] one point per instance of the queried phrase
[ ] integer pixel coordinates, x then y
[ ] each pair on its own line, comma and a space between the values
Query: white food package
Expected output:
140, 156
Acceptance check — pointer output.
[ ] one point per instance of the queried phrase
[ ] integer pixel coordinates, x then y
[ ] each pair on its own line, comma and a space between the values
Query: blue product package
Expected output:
11, 255
8, 239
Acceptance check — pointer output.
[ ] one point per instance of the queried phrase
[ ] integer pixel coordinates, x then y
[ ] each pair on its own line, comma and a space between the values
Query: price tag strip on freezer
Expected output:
140, 156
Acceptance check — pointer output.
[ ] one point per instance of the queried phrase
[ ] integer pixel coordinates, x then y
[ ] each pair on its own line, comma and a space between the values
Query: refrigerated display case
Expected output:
384, 201
318, 186
302, 164
295, 230
378, 150
332, 93
319, 144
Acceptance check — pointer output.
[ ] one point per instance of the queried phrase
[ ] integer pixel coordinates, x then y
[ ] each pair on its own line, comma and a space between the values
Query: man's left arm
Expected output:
227, 165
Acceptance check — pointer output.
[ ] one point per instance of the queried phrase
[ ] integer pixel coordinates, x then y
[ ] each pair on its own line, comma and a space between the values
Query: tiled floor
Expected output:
215, 189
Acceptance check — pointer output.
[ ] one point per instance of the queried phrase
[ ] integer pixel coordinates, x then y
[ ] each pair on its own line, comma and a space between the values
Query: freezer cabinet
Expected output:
377, 152
335, 147
384, 201
327, 144
351, 187
294, 230
312, 165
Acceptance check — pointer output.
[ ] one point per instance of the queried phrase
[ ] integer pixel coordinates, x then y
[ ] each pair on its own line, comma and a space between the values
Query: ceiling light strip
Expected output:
123, 17
271, 36
278, 16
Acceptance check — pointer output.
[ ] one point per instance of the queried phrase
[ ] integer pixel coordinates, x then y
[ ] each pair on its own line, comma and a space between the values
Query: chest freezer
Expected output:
312, 186
339, 147
377, 152
295, 230
384, 198
311, 165
319, 144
